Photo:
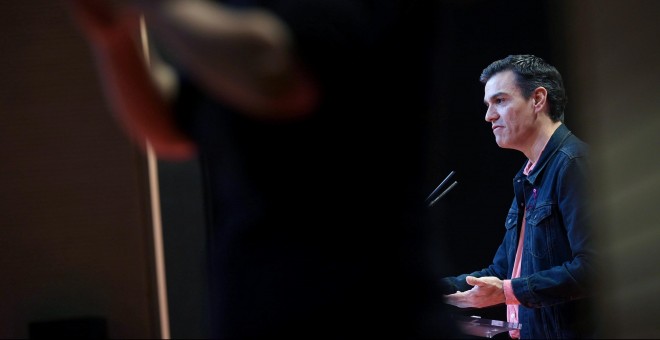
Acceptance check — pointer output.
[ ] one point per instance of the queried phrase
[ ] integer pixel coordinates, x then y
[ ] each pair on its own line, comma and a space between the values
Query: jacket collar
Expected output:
556, 141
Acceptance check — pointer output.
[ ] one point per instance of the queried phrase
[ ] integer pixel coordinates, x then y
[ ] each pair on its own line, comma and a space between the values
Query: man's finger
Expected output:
475, 281
456, 299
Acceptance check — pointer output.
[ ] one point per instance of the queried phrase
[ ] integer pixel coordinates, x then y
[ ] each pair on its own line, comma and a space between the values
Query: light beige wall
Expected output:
613, 51
74, 210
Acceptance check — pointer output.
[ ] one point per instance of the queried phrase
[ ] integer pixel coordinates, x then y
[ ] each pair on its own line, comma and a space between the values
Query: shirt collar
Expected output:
554, 143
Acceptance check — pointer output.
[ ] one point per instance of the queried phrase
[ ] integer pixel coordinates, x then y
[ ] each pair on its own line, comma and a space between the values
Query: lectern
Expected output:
474, 325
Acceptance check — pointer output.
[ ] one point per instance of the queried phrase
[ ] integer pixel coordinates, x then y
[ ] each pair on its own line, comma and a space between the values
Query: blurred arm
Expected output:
135, 98
240, 56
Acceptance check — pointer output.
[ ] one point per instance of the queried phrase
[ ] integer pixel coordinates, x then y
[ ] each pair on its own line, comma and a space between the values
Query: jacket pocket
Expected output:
538, 233
511, 220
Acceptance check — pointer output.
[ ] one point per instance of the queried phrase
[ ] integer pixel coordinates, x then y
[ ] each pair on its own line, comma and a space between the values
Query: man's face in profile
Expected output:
511, 115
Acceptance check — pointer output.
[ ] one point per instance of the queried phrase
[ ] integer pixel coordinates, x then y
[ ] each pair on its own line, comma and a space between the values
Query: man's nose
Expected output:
491, 115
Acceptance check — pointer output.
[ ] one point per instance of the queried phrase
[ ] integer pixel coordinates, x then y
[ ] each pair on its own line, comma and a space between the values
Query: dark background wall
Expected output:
471, 34
75, 223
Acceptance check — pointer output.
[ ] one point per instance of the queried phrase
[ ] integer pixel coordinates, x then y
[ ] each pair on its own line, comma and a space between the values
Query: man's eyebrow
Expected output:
493, 96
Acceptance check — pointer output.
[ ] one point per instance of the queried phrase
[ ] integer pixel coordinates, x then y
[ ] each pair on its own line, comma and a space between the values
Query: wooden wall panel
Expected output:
75, 234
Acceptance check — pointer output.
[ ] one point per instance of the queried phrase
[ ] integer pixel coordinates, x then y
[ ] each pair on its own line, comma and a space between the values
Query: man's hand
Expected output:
487, 291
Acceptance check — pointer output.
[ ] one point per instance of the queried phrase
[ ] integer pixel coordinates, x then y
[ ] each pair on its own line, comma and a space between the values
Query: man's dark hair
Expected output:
533, 72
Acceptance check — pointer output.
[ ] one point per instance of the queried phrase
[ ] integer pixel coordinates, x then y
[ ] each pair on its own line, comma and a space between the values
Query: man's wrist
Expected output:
509, 296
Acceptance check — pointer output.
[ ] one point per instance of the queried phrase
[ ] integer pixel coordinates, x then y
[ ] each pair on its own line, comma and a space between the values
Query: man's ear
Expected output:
539, 97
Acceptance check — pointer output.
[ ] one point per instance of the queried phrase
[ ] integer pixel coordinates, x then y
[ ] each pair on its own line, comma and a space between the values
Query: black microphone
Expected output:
430, 200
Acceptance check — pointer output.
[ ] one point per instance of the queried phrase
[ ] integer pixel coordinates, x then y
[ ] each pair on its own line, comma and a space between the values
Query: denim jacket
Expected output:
558, 260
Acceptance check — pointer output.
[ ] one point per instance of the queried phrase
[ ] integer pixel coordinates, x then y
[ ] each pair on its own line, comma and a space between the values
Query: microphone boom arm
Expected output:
432, 201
